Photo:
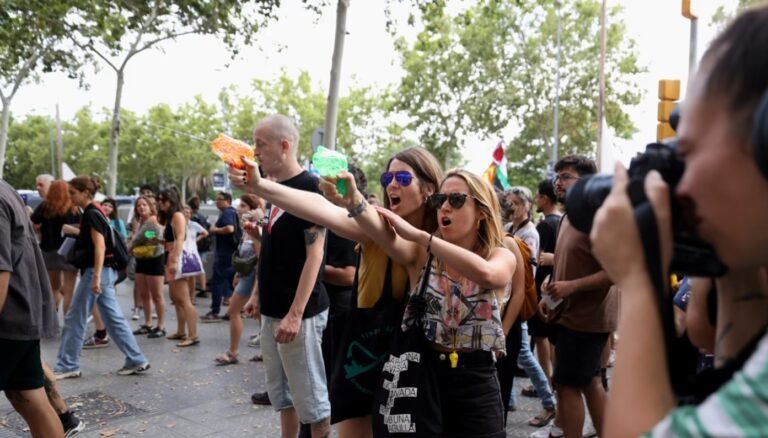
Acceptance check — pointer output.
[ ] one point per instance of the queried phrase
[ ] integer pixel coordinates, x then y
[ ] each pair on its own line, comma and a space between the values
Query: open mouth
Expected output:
394, 201
445, 221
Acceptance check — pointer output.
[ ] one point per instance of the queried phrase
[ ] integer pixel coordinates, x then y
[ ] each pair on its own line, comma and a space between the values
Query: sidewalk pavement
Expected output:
184, 394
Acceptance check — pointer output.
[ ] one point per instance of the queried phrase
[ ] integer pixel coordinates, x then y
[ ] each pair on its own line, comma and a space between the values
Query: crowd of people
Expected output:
410, 314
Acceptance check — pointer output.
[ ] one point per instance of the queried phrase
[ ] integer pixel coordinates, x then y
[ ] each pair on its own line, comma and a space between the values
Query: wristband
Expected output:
357, 211
429, 243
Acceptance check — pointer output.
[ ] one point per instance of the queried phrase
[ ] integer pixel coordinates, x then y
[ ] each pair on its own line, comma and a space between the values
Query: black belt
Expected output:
471, 359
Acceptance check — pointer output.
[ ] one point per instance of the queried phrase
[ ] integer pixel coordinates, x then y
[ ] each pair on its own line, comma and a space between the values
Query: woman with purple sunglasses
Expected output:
412, 175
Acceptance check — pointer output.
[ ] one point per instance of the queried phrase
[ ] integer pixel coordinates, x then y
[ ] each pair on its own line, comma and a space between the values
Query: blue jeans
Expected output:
75, 322
221, 282
295, 371
530, 365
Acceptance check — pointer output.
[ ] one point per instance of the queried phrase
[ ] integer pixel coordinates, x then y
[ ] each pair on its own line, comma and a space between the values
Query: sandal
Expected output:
543, 418
226, 358
143, 330
189, 342
176, 337
257, 358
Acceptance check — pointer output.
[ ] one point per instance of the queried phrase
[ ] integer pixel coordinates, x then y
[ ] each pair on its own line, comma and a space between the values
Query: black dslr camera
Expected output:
691, 255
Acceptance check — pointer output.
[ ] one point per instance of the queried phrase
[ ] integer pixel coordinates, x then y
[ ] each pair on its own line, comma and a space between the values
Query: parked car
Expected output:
30, 197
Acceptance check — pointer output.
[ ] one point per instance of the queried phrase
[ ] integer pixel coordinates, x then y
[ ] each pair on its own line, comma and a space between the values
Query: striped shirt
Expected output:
739, 408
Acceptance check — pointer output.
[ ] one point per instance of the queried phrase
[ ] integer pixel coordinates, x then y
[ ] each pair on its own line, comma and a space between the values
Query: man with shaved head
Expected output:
291, 297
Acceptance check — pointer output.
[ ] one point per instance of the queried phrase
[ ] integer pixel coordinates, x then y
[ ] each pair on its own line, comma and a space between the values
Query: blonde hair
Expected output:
490, 234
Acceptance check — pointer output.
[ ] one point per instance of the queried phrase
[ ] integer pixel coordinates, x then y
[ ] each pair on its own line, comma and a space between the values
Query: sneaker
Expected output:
202, 294
261, 398
589, 431
67, 374
135, 313
94, 342
136, 369
154, 315
255, 341
210, 317
74, 428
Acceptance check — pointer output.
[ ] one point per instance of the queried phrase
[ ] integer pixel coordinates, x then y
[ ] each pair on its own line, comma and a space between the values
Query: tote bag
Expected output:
407, 401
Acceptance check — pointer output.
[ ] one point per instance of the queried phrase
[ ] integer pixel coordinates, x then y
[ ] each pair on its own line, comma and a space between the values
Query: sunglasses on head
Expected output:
455, 200
403, 177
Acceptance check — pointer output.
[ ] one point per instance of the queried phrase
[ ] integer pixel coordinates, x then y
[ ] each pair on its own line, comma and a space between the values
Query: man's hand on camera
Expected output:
615, 239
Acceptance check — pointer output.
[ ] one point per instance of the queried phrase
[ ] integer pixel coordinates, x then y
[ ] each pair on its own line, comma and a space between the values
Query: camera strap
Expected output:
645, 218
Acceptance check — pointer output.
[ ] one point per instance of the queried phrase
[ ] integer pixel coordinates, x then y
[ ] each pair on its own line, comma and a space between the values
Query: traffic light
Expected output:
669, 93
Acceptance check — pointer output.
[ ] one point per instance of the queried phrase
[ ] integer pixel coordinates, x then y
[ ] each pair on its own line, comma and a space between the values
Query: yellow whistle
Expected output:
454, 357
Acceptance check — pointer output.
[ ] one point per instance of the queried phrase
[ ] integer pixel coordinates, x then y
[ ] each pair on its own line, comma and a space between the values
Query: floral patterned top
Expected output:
458, 314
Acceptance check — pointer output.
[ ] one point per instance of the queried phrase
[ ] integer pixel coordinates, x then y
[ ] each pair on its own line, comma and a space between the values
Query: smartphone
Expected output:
150, 234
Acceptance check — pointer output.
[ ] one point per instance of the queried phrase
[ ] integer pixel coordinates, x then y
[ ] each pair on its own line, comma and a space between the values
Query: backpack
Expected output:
119, 256
531, 300
205, 243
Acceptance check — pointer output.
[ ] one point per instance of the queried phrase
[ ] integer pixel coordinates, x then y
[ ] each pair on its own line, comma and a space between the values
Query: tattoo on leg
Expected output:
311, 235
54, 397
15, 397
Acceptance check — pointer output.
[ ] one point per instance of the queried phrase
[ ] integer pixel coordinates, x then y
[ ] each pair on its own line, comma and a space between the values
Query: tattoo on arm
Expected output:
311, 235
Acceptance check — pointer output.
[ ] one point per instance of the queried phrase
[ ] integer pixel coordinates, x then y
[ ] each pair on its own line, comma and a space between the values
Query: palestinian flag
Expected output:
496, 173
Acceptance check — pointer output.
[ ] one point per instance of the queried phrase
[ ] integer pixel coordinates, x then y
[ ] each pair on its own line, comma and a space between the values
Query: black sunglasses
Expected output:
403, 177
455, 200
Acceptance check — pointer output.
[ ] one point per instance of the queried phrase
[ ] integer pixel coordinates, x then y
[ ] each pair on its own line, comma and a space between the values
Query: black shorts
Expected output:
470, 396
21, 367
577, 357
153, 266
538, 328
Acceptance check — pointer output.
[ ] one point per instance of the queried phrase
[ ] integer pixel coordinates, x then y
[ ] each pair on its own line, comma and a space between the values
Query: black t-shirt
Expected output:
93, 218
50, 228
282, 257
339, 253
547, 229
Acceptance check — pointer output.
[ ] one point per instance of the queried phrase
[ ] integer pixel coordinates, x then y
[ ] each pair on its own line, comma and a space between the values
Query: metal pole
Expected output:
692, 48
601, 88
556, 115
60, 144
331, 108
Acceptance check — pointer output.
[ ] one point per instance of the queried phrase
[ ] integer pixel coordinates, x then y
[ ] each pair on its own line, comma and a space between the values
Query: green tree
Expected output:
724, 14
31, 36
28, 153
488, 71
115, 32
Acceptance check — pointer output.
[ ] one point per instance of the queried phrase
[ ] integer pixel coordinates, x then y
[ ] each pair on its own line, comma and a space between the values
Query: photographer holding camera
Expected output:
723, 141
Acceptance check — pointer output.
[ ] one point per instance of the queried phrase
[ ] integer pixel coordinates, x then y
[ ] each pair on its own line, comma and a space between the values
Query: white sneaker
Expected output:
589, 431
255, 341
67, 374
154, 315
136, 369
135, 314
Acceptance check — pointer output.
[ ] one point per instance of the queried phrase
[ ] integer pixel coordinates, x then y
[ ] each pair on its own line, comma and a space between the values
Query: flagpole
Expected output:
556, 115
601, 88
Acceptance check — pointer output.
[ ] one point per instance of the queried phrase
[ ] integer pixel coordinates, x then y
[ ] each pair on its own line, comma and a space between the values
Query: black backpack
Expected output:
119, 256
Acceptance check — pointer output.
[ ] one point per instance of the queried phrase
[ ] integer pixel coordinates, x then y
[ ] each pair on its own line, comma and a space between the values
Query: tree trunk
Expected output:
332, 106
4, 132
114, 136
184, 180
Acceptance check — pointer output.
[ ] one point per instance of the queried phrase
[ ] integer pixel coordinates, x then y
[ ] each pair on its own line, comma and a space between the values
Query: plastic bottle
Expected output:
329, 163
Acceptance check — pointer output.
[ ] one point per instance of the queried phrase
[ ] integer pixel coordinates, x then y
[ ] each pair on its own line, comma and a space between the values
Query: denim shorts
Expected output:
295, 371
245, 285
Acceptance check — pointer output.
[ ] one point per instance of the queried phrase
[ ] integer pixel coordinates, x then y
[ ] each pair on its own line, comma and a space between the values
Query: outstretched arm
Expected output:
309, 206
494, 273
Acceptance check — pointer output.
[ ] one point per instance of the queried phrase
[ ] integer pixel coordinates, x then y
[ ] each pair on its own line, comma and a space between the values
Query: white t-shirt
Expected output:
193, 229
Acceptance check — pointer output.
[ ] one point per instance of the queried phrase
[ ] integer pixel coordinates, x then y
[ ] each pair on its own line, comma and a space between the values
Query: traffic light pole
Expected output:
688, 13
